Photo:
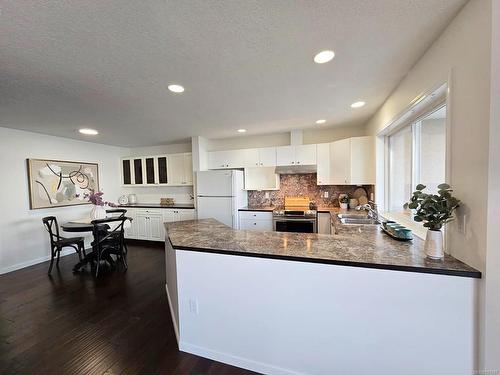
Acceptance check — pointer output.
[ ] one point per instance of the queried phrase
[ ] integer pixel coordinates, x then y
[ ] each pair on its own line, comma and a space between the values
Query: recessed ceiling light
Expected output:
357, 104
176, 88
322, 121
324, 57
242, 130
88, 131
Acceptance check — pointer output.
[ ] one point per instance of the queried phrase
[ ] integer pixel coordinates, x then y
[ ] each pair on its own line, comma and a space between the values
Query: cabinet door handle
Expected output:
222, 165
256, 163
293, 162
261, 164
254, 223
298, 162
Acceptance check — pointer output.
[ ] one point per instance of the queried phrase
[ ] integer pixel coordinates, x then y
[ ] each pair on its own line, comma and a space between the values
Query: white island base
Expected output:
289, 317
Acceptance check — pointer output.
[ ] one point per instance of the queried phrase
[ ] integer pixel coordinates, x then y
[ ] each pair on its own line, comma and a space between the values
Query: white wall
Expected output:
288, 317
323, 135
23, 240
310, 136
163, 149
249, 141
462, 53
492, 275
463, 49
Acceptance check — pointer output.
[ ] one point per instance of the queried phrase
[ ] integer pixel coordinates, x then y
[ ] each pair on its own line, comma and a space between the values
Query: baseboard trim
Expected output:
230, 359
176, 327
32, 262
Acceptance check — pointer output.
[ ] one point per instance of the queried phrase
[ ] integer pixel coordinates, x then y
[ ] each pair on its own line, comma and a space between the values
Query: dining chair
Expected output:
57, 242
119, 212
109, 240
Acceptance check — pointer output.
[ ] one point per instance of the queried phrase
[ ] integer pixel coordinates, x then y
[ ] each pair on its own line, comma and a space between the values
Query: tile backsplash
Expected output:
303, 185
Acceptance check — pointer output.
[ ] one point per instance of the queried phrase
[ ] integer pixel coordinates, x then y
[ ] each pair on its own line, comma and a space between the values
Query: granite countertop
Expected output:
359, 246
259, 208
157, 205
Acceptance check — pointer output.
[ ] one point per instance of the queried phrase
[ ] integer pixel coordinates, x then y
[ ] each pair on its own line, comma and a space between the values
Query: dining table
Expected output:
82, 226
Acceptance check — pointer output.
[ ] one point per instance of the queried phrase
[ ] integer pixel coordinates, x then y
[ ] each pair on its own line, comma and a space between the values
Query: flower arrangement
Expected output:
96, 199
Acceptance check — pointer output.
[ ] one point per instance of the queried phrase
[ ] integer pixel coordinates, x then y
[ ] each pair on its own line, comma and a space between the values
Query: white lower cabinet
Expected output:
256, 220
148, 224
171, 215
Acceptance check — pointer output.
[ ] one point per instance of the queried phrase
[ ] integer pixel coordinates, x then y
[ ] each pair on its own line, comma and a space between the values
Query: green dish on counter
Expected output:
397, 231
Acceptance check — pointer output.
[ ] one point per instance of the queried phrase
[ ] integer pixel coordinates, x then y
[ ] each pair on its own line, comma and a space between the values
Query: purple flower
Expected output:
96, 199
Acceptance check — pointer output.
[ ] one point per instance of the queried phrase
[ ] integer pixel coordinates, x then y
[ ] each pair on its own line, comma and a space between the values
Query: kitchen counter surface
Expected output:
359, 246
157, 205
259, 208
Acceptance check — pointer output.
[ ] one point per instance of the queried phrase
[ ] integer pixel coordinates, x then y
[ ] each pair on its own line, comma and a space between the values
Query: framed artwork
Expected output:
58, 183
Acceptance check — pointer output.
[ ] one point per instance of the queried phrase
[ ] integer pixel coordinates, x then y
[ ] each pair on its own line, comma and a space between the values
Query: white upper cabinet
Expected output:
285, 155
171, 169
233, 158
323, 164
305, 154
352, 161
296, 155
188, 168
180, 169
267, 157
362, 161
261, 178
244, 158
340, 157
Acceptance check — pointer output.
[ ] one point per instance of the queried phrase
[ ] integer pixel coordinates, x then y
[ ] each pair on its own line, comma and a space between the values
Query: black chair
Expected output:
119, 212
109, 240
57, 242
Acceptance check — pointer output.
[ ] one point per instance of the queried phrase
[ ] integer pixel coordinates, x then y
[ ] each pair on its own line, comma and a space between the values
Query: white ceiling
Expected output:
244, 64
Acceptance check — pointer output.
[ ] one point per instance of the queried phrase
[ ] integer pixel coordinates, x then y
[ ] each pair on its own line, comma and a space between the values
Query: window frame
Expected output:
420, 107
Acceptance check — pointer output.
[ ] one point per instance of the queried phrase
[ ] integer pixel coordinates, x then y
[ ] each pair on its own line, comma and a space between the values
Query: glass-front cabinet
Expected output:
170, 169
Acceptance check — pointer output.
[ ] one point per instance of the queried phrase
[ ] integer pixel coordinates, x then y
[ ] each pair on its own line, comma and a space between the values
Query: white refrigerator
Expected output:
219, 195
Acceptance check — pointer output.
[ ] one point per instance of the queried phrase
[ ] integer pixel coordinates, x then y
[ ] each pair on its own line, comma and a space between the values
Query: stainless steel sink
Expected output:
356, 219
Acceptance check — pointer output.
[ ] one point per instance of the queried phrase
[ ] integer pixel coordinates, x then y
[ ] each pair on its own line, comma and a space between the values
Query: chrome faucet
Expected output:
372, 209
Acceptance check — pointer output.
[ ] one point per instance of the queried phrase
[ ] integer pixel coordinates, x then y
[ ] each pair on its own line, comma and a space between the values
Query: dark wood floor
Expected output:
74, 324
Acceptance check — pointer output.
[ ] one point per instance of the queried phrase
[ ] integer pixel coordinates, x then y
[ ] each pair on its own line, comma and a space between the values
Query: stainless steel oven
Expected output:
296, 219
294, 224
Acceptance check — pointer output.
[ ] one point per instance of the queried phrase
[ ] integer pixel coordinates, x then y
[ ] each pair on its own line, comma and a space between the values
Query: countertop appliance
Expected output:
219, 195
295, 216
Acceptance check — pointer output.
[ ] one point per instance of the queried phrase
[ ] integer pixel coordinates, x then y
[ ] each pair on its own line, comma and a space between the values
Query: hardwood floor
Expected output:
74, 324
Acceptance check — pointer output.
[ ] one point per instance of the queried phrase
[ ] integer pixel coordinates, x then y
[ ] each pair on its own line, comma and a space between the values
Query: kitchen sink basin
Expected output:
356, 219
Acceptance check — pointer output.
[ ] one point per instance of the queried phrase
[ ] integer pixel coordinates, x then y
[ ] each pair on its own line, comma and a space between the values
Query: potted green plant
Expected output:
344, 201
434, 210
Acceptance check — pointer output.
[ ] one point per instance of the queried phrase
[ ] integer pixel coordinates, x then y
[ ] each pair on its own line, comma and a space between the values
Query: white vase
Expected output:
434, 244
97, 213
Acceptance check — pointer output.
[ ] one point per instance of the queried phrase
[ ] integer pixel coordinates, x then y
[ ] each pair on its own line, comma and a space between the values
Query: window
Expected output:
416, 155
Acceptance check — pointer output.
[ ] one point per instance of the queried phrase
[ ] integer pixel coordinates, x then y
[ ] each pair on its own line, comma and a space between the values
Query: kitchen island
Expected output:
286, 303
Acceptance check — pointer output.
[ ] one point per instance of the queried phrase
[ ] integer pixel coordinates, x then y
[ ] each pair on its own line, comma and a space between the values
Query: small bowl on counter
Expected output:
397, 231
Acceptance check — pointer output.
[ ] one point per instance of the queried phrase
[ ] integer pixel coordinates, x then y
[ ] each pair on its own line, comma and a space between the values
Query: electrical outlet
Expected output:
325, 194
193, 306
267, 195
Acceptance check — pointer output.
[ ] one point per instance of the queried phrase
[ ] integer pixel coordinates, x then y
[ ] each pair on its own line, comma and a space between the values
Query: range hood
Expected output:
296, 169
